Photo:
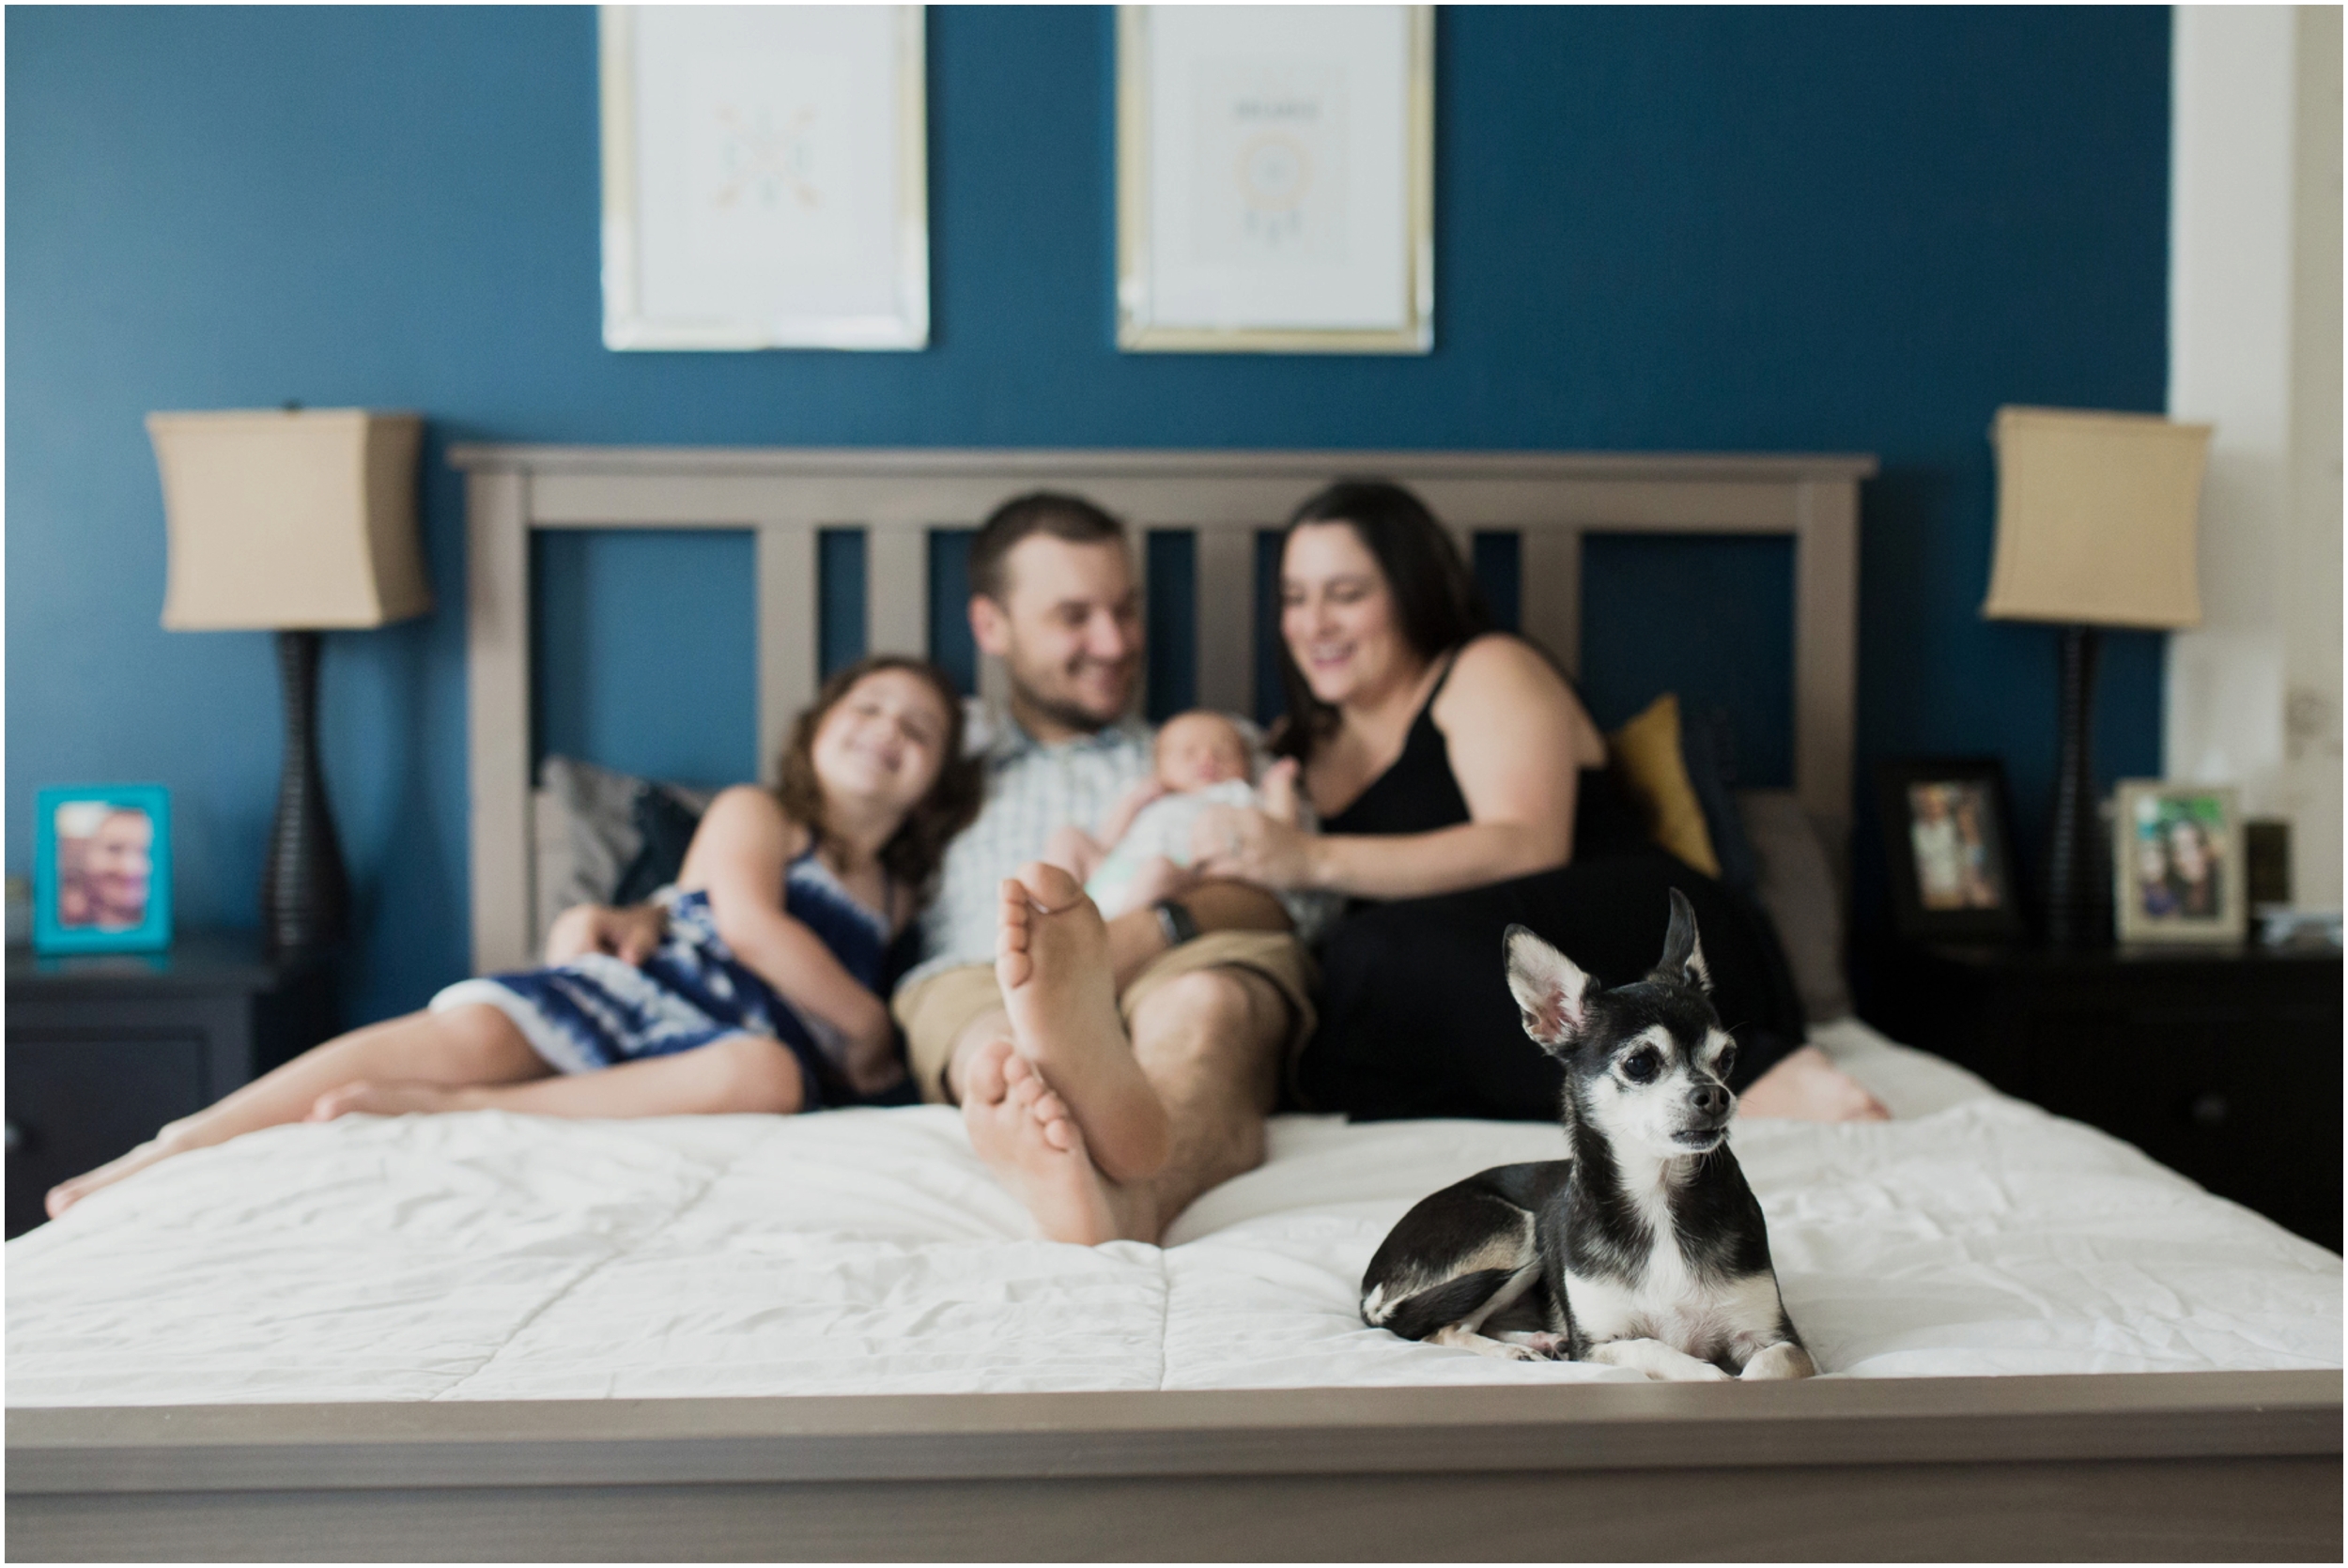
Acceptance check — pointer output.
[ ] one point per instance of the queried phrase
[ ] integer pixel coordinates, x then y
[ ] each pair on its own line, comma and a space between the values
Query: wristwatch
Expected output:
1176, 922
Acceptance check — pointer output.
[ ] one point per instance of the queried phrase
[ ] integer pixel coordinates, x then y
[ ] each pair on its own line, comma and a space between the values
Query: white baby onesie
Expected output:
1161, 827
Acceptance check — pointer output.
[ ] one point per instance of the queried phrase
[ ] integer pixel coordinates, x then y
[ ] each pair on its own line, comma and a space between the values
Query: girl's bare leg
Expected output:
738, 1072
464, 1045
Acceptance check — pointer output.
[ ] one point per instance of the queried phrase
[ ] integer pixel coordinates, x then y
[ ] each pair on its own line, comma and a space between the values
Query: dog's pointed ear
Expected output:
1551, 989
1682, 962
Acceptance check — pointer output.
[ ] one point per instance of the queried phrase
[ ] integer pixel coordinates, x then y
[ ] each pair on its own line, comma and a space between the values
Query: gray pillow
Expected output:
1797, 887
586, 832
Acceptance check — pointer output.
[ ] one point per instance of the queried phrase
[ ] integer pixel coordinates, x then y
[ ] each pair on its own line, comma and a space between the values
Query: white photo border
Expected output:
626, 324
1137, 329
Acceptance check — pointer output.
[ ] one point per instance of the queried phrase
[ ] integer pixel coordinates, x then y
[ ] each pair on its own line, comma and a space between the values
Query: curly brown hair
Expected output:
913, 854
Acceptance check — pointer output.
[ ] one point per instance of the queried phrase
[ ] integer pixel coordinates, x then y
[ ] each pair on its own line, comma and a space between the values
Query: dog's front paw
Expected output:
1662, 1363
1538, 1345
1783, 1360
1507, 1348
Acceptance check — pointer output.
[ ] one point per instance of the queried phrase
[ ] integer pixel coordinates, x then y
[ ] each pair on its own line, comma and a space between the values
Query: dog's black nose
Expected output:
1711, 1098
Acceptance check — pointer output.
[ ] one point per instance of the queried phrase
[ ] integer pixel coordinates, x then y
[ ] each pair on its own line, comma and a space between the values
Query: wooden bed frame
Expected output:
2200, 1466
785, 498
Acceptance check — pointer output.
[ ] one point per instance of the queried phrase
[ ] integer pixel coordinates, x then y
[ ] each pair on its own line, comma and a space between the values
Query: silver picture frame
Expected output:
766, 177
2177, 868
1275, 99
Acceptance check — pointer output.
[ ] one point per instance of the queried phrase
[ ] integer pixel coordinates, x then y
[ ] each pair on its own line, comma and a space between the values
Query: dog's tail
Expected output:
1420, 1313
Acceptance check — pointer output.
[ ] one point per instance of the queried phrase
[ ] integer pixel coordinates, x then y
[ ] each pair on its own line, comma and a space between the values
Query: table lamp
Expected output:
2096, 521
295, 521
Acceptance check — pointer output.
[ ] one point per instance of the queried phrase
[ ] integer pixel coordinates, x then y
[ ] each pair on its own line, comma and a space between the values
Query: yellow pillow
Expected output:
1646, 758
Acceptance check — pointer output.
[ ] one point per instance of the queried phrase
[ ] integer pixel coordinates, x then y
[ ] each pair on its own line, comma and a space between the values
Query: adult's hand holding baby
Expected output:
1248, 845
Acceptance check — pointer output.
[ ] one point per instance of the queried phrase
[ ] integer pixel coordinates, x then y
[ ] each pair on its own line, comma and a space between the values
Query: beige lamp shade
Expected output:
290, 519
2096, 518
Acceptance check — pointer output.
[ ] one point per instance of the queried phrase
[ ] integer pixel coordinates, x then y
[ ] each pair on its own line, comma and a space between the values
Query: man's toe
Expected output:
1050, 885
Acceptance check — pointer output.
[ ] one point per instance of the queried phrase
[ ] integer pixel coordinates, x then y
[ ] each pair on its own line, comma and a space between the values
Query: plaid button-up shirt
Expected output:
1032, 789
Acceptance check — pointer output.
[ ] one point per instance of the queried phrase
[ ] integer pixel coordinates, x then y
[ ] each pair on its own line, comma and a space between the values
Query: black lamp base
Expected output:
305, 897
2079, 855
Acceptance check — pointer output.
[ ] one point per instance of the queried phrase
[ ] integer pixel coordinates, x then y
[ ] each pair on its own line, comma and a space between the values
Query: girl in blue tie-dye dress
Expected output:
764, 991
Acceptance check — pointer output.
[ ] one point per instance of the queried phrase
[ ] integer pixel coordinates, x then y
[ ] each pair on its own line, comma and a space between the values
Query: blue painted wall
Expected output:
1848, 229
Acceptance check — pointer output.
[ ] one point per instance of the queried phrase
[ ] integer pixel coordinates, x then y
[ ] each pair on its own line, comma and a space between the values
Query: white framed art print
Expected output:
764, 177
1275, 178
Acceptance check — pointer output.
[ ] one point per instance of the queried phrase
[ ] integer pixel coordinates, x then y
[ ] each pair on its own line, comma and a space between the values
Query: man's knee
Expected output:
1228, 995
1227, 1014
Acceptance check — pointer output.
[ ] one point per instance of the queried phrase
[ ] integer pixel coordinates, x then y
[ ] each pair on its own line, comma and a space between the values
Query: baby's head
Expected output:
1199, 748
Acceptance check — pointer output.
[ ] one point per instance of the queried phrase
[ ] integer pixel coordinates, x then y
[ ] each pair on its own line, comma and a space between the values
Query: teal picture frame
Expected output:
91, 895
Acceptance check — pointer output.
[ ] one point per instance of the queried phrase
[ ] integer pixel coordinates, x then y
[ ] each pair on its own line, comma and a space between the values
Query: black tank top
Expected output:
1418, 794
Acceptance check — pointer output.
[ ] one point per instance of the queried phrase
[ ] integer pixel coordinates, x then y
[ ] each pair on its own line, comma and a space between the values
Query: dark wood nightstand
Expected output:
2221, 1063
103, 1049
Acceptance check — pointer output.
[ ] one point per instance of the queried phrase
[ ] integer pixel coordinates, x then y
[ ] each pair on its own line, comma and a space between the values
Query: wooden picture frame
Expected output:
1276, 179
764, 177
1949, 844
102, 869
2177, 868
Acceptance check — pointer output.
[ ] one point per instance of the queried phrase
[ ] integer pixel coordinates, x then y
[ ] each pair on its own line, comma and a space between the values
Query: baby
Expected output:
1202, 760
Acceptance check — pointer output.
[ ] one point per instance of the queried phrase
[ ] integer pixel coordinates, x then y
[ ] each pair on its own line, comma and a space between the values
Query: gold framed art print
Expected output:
1276, 179
764, 177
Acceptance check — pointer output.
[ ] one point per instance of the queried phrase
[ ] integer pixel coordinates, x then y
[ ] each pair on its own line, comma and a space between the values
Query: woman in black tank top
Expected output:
1416, 1019
1418, 794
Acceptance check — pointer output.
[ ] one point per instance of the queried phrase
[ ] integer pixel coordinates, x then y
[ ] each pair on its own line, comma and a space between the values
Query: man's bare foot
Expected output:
1052, 960
1034, 1145
367, 1098
1808, 1086
66, 1193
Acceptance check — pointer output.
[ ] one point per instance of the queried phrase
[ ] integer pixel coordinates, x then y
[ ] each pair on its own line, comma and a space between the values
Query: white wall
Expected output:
2254, 346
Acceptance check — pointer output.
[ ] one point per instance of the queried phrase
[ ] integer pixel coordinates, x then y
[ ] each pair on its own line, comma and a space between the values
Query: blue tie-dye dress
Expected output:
597, 1010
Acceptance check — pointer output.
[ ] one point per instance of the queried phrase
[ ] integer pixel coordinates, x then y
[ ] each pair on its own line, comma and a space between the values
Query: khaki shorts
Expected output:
935, 1011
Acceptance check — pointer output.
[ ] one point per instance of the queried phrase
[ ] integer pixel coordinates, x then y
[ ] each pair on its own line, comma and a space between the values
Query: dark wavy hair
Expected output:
1437, 605
916, 850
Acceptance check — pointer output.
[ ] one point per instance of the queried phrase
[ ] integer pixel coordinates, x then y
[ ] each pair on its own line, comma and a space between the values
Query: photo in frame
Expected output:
102, 869
764, 177
1948, 842
2178, 870
1275, 178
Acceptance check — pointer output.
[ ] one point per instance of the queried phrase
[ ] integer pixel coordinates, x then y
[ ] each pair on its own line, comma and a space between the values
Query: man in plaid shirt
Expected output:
1109, 1072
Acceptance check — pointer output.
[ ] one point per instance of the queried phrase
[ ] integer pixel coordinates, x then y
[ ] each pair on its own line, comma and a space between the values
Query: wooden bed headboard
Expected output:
785, 496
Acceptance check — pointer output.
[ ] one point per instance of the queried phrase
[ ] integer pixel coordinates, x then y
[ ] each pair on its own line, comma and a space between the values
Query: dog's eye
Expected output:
1725, 1063
1640, 1067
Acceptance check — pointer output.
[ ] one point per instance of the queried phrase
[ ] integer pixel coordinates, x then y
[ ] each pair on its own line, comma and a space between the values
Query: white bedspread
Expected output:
492, 1257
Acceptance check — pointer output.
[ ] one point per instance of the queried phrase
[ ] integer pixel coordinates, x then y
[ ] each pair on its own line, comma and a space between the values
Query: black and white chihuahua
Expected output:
1644, 1249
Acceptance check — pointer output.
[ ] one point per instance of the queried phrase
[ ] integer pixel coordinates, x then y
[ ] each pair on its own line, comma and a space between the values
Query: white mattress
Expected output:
494, 1256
